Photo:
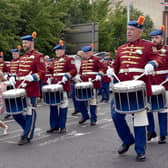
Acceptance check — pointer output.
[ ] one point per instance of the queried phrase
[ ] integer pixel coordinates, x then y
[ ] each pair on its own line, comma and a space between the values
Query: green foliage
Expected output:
49, 18
113, 29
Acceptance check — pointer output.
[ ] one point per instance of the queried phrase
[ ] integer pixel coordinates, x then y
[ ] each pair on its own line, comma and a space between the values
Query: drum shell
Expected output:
52, 94
15, 101
84, 91
158, 98
129, 96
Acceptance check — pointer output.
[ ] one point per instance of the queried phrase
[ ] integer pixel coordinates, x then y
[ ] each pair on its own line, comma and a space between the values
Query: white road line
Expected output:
63, 137
17, 135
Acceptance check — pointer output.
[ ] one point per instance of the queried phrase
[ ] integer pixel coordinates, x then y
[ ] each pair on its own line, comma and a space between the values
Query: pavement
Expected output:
83, 146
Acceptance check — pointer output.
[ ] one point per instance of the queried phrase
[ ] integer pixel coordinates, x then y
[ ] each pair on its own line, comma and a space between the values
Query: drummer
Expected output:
13, 68
133, 58
91, 69
30, 70
158, 77
105, 86
77, 58
63, 69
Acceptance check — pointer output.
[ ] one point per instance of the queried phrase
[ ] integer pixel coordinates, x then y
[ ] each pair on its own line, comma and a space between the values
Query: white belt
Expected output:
89, 73
131, 70
161, 72
48, 74
58, 74
20, 78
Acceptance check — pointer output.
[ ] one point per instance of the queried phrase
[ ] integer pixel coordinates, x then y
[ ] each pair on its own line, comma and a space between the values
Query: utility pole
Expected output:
128, 11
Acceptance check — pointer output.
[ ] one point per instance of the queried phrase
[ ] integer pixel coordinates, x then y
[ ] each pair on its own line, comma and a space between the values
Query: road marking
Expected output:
70, 135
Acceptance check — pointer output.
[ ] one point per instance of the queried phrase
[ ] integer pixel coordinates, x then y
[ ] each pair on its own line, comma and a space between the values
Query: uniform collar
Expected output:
135, 42
159, 47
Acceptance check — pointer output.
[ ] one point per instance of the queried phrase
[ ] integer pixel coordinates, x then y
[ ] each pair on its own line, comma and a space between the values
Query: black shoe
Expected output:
93, 123
83, 120
162, 140
151, 135
140, 158
102, 100
123, 148
23, 141
7, 116
106, 101
62, 130
52, 130
75, 112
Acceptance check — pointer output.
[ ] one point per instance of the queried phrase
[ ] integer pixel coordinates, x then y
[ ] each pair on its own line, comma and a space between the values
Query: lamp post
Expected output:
128, 11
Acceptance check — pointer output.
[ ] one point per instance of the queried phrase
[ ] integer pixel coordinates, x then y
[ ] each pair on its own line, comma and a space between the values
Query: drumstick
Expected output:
116, 77
24, 80
163, 82
140, 76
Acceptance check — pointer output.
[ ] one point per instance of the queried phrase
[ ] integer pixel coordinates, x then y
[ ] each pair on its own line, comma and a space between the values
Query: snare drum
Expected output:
15, 101
130, 96
52, 94
158, 98
84, 91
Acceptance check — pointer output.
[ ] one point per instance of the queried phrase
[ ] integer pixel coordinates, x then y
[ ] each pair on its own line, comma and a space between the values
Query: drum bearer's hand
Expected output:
98, 78
12, 80
5, 76
29, 78
49, 80
65, 78
149, 68
77, 78
110, 71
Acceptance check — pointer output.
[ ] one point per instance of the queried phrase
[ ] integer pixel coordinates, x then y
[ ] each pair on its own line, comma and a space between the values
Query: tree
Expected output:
113, 28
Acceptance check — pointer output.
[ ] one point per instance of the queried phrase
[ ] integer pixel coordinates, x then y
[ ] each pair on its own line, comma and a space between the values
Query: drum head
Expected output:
13, 93
157, 89
131, 85
84, 85
52, 88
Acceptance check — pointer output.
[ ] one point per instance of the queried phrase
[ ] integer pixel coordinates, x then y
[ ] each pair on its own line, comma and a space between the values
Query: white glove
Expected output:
98, 78
149, 69
12, 80
49, 80
110, 71
28, 78
23, 85
5, 76
64, 79
77, 78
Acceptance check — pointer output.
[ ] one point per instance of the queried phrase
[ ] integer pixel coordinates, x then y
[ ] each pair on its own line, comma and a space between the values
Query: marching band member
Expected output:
13, 67
63, 70
77, 59
48, 75
15, 61
133, 58
104, 90
31, 69
91, 68
158, 77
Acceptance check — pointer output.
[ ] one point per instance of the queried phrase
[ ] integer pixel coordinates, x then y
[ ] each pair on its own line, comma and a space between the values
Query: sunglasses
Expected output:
1, 56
